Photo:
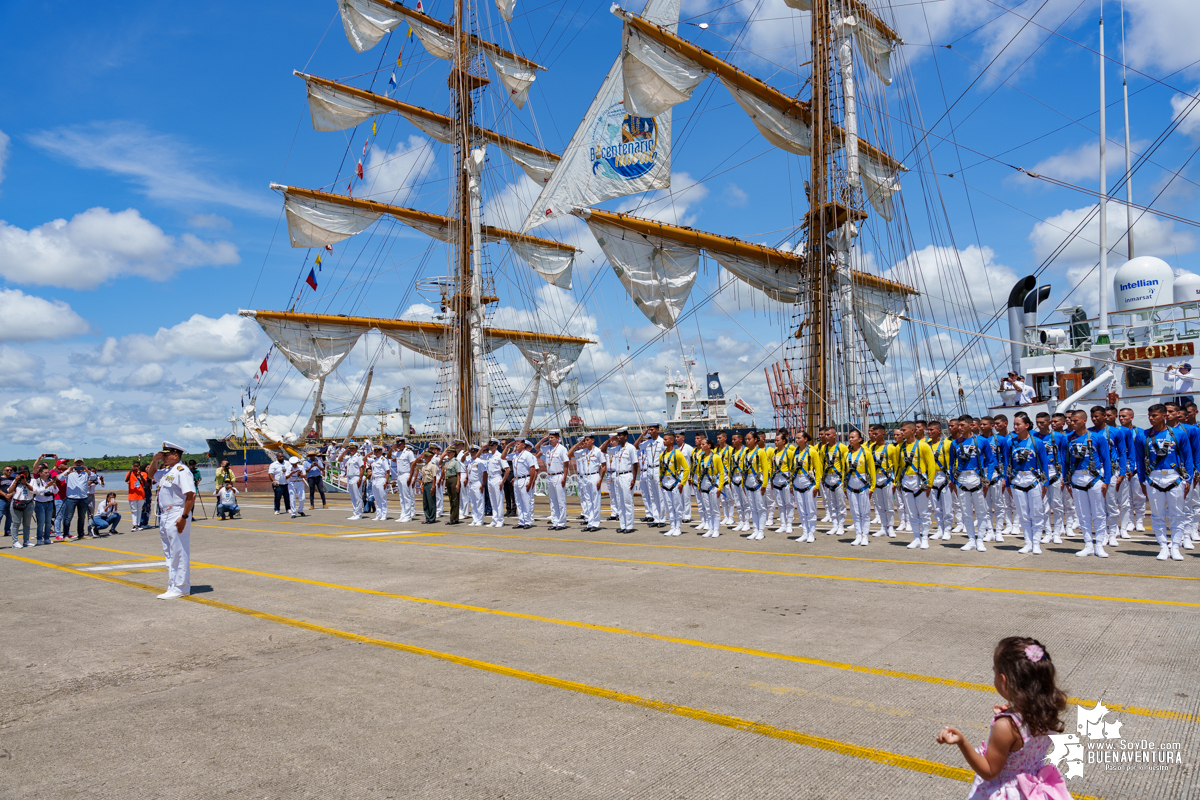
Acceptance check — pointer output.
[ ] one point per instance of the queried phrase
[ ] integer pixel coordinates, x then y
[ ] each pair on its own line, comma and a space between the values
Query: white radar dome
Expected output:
1143, 282
1187, 287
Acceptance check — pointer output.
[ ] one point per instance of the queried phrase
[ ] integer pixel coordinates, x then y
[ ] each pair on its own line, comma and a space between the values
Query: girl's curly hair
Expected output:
1025, 663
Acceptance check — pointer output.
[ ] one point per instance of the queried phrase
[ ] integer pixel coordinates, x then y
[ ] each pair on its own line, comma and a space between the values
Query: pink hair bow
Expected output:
1045, 784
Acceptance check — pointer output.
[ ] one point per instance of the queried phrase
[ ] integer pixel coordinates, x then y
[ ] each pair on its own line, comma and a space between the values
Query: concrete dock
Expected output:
326, 658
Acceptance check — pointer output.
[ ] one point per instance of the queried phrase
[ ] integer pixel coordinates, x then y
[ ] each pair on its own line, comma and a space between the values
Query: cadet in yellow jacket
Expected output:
755, 478
858, 465
724, 452
884, 454
806, 478
710, 480
941, 497
914, 470
673, 472
832, 478
737, 473
783, 463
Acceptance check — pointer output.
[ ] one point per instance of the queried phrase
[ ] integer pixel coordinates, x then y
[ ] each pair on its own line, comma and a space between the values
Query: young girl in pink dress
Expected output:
1011, 764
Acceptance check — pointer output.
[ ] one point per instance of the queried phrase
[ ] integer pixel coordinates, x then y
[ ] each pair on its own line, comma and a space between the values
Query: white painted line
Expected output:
133, 565
377, 533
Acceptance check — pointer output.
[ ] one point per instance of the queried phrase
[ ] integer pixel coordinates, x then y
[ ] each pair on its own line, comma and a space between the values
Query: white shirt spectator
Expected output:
1182, 381
77, 484
43, 490
278, 472
227, 495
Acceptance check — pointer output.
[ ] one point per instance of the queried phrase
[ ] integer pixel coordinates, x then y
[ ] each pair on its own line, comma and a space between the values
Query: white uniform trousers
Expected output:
915, 505
296, 496
1029, 506
997, 515
1191, 512
612, 494
405, 494
785, 501
440, 491
177, 548
835, 504
496, 493
356, 500
464, 502
1069, 513
379, 492
558, 499
1112, 507
688, 492
656, 492
974, 513
729, 503
673, 505
710, 509
589, 499
806, 510
1166, 508
1135, 509
769, 499
1053, 519
941, 506
742, 499
884, 500
860, 512
958, 509
1089, 505
758, 509
524, 499
624, 489
476, 491
651, 494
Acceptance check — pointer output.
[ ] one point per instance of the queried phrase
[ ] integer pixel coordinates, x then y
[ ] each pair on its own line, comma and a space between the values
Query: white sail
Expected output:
335, 110
612, 154
314, 350
800, 5
551, 361
774, 280
516, 76
876, 51
552, 264
877, 312
537, 166
657, 273
506, 8
316, 223
656, 77
436, 129
366, 22
880, 183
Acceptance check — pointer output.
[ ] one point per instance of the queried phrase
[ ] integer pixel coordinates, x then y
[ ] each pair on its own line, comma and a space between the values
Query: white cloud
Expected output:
392, 175
19, 367
161, 165
227, 338
208, 221
98, 245
28, 318
670, 205
1153, 236
1078, 164
1162, 34
145, 375
1189, 125
4, 142
940, 274
736, 195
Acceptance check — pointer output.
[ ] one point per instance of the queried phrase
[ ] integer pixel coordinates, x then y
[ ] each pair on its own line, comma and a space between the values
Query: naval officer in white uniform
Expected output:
176, 496
623, 463
352, 468
553, 462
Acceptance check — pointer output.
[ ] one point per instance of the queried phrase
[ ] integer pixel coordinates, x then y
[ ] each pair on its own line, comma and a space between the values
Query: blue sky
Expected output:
138, 143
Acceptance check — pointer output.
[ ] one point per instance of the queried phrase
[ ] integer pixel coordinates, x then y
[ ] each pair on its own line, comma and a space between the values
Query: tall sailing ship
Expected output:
839, 283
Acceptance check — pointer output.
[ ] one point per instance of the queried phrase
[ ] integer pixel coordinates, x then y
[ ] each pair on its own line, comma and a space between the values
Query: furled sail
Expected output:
316, 219
316, 343
657, 273
506, 8
613, 153
878, 313
656, 77
336, 107
876, 42
314, 350
785, 131
778, 281
366, 21
880, 183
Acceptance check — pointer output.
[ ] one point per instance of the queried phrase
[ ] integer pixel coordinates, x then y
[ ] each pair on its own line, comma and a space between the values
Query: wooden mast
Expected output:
816, 280
462, 284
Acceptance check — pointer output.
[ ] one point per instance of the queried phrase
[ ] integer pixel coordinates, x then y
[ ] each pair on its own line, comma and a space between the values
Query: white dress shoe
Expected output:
915, 543
1026, 549
356, 516
979, 546
1128, 526
925, 542
1057, 539
810, 537
1140, 526
1187, 543
1164, 553
171, 594
1088, 550
1037, 548
891, 533
1175, 554
959, 528
1100, 551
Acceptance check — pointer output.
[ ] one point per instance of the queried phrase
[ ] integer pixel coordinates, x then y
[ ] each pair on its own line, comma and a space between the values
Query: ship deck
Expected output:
324, 658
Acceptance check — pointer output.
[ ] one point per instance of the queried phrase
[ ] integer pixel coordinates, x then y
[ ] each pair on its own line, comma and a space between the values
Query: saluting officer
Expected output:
176, 496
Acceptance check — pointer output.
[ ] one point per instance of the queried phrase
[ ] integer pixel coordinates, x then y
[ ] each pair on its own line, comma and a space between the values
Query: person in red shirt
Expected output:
137, 481
56, 475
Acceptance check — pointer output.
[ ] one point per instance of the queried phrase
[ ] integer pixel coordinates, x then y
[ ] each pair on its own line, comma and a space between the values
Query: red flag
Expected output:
365, 148
311, 280
347, 188
329, 247
742, 405
358, 169
262, 369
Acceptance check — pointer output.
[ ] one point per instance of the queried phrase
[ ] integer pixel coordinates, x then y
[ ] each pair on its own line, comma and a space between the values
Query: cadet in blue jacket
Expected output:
1054, 528
1089, 469
1027, 468
972, 471
1164, 474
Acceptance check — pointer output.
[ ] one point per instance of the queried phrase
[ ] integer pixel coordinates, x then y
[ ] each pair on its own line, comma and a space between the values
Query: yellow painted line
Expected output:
815, 576
748, 651
736, 723
808, 554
